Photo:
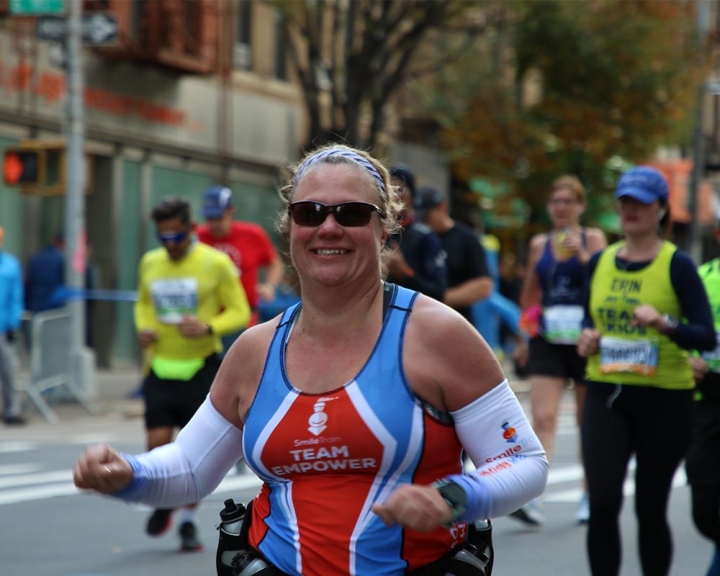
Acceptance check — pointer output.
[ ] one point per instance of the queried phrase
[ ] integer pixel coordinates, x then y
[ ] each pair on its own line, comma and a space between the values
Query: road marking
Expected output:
8, 469
42, 478
573, 495
565, 474
93, 438
18, 446
39, 493
59, 483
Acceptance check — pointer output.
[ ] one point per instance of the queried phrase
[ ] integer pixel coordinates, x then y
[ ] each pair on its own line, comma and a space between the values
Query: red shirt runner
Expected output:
249, 247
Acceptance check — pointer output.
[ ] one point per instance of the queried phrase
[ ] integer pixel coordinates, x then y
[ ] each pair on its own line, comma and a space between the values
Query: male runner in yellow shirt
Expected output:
188, 297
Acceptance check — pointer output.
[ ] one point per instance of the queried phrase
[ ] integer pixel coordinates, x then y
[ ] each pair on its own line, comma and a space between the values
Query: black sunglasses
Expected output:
348, 214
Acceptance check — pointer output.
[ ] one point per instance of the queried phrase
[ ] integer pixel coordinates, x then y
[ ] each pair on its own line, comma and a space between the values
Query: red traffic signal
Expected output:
21, 167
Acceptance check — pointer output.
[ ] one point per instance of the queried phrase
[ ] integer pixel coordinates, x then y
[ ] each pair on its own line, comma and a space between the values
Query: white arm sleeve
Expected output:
188, 469
511, 465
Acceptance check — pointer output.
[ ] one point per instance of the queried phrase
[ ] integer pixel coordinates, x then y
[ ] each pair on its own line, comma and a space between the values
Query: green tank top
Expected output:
633, 354
710, 276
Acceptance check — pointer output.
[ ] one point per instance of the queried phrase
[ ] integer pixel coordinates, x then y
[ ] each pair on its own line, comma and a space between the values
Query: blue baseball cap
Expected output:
644, 184
217, 199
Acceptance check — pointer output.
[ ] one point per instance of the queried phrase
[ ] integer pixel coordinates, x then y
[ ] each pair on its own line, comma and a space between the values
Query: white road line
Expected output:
13, 489
42, 478
18, 446
39, 493
94, 438
59, 483
562, 474
7, 469
574, 494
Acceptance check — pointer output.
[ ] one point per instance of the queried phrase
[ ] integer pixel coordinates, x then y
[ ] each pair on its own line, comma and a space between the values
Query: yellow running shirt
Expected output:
204, 283
632, 354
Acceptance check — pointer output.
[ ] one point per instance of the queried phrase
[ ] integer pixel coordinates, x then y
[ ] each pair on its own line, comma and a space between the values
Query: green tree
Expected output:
593, 80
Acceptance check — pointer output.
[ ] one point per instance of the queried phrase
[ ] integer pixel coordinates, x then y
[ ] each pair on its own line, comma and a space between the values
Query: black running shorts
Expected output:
171, 403
555, 360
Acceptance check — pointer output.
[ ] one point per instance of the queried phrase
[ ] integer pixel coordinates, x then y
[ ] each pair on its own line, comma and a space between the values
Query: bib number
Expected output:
712, 359
628, 356
563, 324
174, 299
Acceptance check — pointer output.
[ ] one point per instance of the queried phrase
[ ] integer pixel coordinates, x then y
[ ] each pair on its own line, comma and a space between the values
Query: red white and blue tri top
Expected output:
327, 458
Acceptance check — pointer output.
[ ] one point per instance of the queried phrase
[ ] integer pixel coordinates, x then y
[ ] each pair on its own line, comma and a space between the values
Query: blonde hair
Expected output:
569, 182
336, 154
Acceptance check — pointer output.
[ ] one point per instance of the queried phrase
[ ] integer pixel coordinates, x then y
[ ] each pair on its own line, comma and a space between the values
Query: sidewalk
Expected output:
112, 407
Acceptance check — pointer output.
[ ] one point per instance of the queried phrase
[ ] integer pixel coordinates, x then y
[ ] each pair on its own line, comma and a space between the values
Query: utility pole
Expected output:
703, 27
75, 240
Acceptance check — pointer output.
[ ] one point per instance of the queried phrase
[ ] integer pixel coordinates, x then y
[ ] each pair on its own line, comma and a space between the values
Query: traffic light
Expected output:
21, 167
38, 167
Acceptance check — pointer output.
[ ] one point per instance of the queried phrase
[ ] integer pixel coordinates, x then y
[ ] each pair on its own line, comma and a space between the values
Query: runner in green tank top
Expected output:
702, 462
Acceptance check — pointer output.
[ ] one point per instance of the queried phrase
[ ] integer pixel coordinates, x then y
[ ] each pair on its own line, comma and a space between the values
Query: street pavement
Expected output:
47, 527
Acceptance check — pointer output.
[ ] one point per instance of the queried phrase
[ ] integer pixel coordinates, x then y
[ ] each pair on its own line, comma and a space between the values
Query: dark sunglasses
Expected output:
174, 237
348, 214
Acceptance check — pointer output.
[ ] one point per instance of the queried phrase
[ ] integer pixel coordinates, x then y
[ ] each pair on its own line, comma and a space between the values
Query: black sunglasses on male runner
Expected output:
348, 214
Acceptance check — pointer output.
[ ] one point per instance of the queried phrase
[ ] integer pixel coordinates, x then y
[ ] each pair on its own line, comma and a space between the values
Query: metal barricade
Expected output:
50, 360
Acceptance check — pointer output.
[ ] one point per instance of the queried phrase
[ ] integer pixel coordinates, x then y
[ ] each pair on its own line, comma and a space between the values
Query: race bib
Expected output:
174, 299
633, 356
563, 324
712, 359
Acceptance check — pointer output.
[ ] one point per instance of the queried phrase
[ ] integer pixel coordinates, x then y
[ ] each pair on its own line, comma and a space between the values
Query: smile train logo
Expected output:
318, 420
509, 433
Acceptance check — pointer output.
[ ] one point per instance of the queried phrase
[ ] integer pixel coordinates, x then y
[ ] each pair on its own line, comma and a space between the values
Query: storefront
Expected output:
151, 134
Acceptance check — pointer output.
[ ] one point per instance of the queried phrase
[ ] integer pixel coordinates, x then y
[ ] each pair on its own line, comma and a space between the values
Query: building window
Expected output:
191, 29
138, 29
96, 6
280, 49
243, 43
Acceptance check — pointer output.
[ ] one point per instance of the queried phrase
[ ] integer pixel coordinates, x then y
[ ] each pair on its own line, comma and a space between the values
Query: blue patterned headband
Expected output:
354, 156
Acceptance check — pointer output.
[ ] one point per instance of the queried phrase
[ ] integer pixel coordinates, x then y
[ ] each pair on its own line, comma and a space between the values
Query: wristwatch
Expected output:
454, 495
671, 322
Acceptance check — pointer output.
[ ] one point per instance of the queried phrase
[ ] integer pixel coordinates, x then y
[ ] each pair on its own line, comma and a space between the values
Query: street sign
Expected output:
97, 28
35, 7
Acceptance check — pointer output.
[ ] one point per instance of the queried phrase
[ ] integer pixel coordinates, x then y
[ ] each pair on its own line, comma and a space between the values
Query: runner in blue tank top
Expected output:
555, 281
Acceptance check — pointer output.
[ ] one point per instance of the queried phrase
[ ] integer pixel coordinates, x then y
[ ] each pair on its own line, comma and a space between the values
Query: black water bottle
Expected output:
230, 544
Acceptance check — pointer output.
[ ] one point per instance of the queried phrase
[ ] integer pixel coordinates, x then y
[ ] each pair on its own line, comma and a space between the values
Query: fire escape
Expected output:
181, 35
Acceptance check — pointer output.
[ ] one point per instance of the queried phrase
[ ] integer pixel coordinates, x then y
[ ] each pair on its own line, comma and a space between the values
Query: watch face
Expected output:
455, 494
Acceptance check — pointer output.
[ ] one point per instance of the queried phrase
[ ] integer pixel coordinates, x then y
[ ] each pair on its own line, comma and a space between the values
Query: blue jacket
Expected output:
45, 280
489, 313
11, 292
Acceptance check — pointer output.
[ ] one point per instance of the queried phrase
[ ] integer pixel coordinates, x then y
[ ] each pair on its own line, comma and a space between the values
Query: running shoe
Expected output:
159, 522
15, 420
189, 541
583, 511
529, 514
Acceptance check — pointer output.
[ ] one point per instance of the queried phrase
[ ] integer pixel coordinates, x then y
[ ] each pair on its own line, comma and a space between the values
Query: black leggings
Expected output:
619, 421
